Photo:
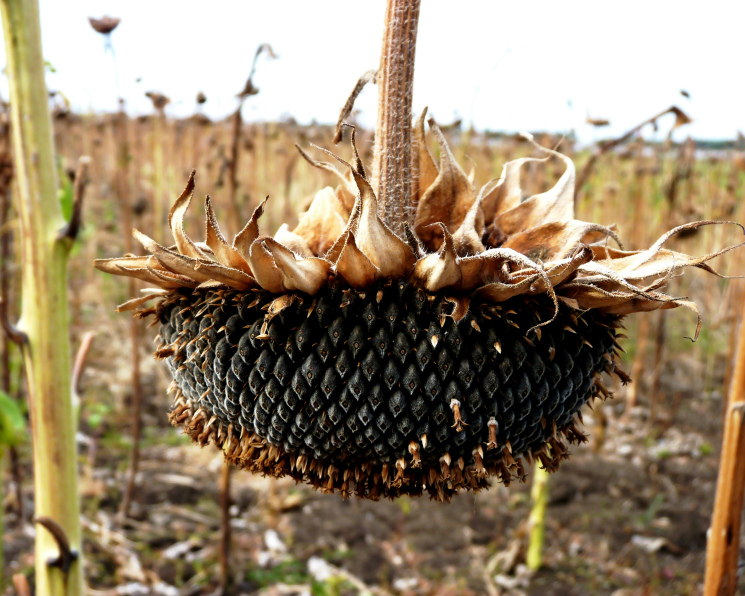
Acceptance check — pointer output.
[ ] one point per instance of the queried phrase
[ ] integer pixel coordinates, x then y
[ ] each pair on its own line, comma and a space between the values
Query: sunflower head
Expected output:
378, 362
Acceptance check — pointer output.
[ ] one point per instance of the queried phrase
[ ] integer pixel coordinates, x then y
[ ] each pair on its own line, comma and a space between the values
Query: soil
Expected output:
625, 517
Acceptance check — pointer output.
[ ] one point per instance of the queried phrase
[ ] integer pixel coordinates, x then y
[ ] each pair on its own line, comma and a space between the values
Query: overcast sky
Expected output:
499, 65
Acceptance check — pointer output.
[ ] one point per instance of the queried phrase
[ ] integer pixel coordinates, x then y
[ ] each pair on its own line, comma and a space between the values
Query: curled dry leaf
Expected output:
555, 205
347, 191
426, 171
224, 253
554, 240
447, 200
246, 237
295, 243
284, 270
504, 193
323, 222
438, 270
176, 220
354, 266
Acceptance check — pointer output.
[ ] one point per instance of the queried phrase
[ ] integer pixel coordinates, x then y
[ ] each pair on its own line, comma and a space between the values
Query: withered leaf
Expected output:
447, 200
323, 222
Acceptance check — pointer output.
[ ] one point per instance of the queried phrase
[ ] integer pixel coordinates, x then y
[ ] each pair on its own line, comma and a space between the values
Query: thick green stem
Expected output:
44, 309
537, 519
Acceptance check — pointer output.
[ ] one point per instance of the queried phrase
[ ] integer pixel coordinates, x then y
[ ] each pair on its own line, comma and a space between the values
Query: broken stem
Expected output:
723, 543
225, 501
392, 159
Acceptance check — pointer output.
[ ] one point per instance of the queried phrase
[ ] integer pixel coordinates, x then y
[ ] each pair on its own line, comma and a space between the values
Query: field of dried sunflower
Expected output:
628, 514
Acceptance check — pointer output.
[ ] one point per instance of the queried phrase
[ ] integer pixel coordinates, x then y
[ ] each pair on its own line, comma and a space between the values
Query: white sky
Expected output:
501, 65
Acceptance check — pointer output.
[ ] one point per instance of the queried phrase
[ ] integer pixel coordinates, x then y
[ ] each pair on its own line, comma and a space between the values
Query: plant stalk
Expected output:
393, 157
6, 255
225, 534
723, 544
46, 348
122, 186
537, 518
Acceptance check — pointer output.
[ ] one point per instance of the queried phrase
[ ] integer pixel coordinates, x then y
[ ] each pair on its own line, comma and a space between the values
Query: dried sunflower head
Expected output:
105, 25
378, 364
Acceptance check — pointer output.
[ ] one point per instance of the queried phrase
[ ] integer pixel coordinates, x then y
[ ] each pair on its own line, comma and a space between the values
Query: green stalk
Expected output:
46, 350
537, 519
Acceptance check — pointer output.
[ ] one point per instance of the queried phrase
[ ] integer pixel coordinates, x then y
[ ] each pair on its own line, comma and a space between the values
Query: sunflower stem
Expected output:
44, 320
393, 157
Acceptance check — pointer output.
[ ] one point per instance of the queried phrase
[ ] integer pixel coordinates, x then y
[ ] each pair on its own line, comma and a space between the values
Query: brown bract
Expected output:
460, 242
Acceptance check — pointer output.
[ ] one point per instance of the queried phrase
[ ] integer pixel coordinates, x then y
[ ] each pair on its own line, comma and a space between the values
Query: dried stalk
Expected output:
248, 89
122, 186
392, 156
226, 579
605, 146
158, 167
723, 544
44, 326
235, 145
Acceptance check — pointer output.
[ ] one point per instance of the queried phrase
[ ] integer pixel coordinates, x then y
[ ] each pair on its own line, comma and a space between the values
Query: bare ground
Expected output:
626, 517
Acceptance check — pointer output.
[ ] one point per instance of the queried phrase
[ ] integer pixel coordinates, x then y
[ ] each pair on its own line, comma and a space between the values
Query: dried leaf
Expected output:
427, 170
323, 222
184, 244
172, 260
115, 265
438, 270
224, 252
467, 238
559, 272
248, 235
175, 280
347, 184
266, 272
295, 243
353, 266
555, 205
233, 278
504, 193
370, 76
499, 292
139, 301
145, 274
656, 261
460, 307
447, 200
283, 270
391, 255
554, 240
